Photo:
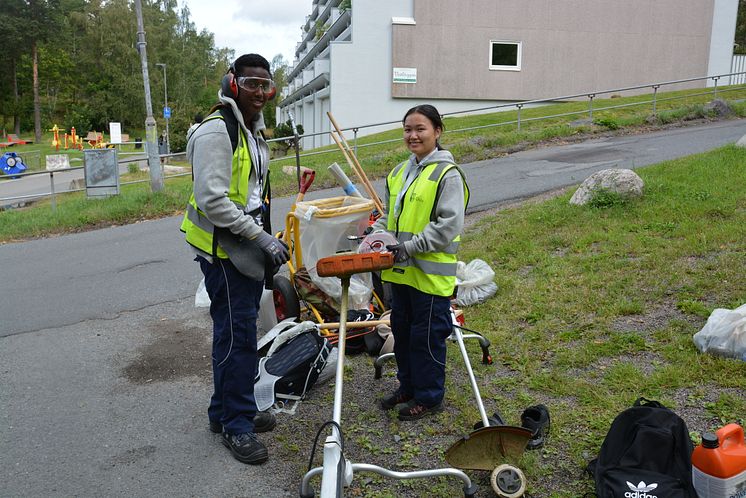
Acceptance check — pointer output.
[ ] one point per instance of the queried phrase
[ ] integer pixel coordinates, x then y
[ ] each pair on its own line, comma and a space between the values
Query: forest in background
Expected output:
85, 56
82, 57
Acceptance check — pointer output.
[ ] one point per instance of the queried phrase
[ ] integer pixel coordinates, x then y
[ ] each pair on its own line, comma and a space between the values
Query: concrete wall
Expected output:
568, 47
723, 35
361, 69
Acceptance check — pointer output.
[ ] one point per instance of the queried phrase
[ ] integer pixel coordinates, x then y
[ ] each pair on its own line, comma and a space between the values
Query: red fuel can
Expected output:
719, 464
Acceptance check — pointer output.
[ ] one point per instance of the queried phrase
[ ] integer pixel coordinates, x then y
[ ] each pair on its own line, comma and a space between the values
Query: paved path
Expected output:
105, 362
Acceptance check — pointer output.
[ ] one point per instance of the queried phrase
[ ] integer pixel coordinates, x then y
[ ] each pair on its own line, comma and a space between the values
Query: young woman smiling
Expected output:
426, 197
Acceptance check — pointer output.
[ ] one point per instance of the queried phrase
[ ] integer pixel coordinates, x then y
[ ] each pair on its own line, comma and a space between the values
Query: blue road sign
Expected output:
166, 112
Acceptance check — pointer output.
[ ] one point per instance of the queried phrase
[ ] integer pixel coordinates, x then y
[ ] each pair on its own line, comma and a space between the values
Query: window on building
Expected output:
505, 55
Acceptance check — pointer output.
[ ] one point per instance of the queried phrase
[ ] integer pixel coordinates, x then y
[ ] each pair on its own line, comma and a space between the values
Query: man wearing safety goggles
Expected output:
253, 84
227, 226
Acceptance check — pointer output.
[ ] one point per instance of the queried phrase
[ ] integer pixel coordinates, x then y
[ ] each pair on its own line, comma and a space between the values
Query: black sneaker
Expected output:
246, 448
494, 421
263, 422
536, 419
396, 398
413, 410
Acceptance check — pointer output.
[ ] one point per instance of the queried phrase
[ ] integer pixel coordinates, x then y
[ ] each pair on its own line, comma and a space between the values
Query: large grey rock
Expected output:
624, 182
719, 107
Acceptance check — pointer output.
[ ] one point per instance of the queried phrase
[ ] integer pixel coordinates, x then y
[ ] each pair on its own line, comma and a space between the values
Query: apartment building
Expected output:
368, 61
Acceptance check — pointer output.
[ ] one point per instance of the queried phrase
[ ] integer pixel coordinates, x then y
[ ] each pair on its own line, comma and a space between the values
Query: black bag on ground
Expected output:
646, 454
292, 365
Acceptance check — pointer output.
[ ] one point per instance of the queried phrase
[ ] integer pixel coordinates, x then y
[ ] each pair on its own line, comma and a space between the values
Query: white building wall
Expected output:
723, 34
738, 66
360, 72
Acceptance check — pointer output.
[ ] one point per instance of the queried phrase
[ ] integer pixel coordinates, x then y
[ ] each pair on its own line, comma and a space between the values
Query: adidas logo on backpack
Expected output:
647, 444
641, 490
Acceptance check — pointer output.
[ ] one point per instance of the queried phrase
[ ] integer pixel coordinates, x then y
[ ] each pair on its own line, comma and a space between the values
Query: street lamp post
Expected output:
151, 139
165, 104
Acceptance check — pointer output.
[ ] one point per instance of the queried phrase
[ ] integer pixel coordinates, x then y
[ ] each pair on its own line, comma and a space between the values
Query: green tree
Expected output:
279, 68
87, 64
740, 39
15, 45
42, 21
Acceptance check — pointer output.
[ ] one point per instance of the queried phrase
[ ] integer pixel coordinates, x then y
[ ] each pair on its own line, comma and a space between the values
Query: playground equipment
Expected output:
13, 140
56, 137
73, 140
95, 140
12, 164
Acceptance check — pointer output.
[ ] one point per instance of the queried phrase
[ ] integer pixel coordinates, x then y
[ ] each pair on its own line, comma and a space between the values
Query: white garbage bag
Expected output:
724, 334
474, 282
201, 299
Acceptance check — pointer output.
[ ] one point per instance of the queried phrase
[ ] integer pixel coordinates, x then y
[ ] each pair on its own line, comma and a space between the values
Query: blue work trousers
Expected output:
234, 307
420, 323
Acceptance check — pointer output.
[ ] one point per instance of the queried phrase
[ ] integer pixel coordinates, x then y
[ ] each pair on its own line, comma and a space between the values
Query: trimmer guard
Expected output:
488, 447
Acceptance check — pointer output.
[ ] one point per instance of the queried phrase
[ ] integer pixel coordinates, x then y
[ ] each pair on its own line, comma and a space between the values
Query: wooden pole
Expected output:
368, 187
357, 168
360, 170
354, 325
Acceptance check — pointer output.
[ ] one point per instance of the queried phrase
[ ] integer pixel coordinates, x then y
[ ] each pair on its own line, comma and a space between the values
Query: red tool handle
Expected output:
306, 180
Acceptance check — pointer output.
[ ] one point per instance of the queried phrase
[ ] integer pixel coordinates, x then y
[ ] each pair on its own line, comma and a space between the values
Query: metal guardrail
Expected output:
518, 106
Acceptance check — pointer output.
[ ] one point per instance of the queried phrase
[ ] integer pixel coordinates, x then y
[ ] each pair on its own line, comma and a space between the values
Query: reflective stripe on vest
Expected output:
431, 272
195, 225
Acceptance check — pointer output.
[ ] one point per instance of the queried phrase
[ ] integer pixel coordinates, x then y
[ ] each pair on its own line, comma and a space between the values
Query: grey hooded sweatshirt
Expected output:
449, 211
210, 153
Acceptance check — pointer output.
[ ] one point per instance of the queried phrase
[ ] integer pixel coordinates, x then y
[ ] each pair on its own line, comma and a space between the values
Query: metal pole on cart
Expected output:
296, 146
335, 465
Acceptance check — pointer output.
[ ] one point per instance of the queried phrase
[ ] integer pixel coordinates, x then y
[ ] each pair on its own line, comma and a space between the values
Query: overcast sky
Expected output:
266, 27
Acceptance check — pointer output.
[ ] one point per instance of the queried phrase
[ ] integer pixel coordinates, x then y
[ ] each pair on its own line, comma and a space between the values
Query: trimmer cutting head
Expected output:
487, 447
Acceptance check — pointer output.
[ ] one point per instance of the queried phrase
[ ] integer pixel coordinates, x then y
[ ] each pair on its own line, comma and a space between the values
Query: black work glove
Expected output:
399, 251
275, 248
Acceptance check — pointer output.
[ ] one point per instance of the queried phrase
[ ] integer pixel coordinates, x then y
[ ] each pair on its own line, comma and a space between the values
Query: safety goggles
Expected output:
252, 84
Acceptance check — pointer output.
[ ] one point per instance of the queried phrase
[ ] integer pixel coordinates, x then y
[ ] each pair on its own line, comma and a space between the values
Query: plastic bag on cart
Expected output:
724, 334
325, 226
474, 282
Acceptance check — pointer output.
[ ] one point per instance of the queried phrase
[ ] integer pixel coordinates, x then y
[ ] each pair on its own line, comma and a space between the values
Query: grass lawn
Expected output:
596, 306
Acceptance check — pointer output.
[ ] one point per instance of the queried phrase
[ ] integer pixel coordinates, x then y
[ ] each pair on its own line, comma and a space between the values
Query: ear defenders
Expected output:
229, 87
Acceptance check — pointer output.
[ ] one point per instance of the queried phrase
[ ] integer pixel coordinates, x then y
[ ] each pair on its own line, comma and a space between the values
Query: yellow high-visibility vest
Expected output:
196, 226
431, 272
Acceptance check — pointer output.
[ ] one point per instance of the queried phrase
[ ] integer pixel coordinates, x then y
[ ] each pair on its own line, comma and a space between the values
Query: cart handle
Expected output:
306, 180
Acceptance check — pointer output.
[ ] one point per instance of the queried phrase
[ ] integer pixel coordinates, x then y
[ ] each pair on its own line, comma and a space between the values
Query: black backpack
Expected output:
292, 365
646, 454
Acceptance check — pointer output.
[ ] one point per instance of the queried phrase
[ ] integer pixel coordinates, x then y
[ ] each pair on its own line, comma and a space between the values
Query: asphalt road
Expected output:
104, 361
